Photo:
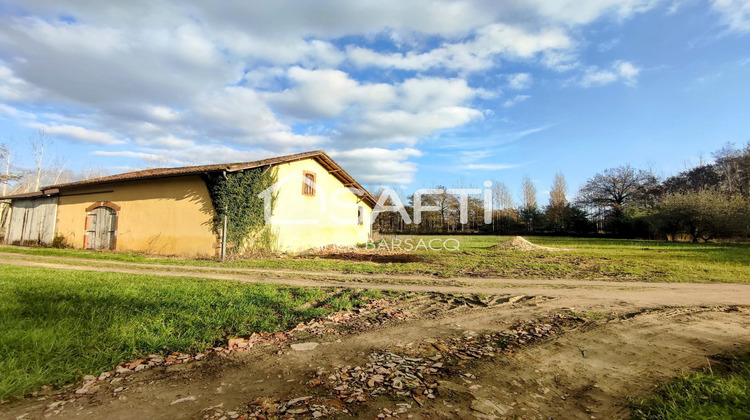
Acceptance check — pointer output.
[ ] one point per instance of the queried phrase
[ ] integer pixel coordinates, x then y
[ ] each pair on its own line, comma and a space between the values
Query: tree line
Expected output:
702, 203
18, 177
47, 168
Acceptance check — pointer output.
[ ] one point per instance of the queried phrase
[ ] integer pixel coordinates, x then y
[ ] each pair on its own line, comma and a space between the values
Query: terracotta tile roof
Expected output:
33, 194
321, 157
187, 170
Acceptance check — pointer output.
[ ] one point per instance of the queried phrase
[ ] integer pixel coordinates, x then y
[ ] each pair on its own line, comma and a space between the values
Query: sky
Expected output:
405, 94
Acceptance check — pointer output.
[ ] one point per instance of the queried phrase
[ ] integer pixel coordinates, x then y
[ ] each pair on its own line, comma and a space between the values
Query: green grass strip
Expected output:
721, 393
59, 325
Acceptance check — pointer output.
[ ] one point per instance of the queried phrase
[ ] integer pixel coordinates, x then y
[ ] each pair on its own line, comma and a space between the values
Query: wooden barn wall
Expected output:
32, 221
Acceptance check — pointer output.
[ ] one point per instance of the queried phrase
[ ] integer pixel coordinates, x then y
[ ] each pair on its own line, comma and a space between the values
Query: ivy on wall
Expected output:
236, 196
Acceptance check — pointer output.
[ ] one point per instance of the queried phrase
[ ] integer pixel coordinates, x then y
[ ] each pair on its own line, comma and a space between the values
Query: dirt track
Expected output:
636, 335
639, 294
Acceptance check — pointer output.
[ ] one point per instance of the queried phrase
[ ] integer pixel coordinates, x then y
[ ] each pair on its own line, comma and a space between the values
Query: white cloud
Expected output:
327, 94
619, 71
577, 12
374, 165
188, 154
284, 50
150, 157
13, 88
493, 41
529, 131
627, 70
608, 45
79, 134
489, 166
332, 18
162, 113
520, 81
264, 77
209, 81
431, 93
377, 112
167, 142
9, 111
215, 153
468, 156
399, 126
91, 39
239, 115
735, 14
515, 100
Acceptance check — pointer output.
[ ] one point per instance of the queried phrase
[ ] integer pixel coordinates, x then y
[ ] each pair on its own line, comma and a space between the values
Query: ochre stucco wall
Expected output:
320, 229
167, 216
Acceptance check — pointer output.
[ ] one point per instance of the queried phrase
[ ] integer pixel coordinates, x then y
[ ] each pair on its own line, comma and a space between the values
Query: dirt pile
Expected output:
518, 243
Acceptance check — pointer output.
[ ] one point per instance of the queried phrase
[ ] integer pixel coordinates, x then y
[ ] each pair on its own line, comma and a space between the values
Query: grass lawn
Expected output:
723, 393
58, 325
585, 259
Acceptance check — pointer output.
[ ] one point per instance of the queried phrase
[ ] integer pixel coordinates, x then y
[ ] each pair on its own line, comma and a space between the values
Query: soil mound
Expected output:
518, 243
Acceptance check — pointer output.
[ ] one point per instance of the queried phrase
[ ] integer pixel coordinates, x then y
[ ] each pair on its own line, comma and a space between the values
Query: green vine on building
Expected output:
235, 194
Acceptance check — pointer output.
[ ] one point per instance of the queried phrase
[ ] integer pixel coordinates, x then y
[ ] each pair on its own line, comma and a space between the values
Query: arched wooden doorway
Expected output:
101, 226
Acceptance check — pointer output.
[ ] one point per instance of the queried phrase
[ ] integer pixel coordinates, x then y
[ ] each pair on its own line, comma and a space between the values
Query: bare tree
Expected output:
502, 199
37, 148
502, 204
446, 206
731, 165
613, 188
155, 162
6, 177
92, 172
528, 194
57, 172
529, 207
557, 195
558, 202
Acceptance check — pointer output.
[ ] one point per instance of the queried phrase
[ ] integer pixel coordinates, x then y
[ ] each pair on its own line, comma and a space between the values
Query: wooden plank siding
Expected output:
32, 221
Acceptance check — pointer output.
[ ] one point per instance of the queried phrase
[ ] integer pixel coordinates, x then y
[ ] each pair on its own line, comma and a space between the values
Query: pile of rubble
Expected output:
367, 316
413, 377
404, 377
385, 373
475, 346
265, 407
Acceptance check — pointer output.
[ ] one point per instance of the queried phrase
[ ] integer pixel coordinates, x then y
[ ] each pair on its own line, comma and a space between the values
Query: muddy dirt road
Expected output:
499, 348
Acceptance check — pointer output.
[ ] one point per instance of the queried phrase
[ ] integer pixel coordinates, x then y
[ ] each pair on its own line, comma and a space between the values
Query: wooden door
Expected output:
32, 221
100, 228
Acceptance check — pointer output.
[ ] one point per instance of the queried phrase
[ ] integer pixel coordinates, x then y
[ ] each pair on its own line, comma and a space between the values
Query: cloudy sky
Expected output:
411, 93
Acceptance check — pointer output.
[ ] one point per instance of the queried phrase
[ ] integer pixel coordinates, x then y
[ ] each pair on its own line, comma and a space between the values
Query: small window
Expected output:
308, 184
360, 215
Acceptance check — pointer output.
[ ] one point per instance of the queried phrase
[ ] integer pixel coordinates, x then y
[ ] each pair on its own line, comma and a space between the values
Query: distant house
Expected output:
170, 211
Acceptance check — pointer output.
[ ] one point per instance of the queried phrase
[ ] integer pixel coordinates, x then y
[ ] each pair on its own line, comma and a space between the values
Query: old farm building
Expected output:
172, 211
